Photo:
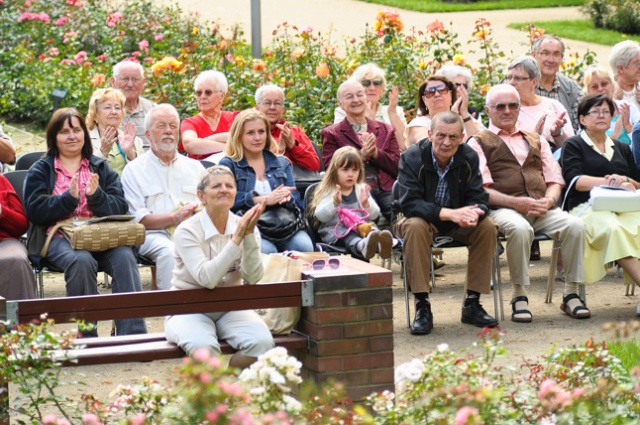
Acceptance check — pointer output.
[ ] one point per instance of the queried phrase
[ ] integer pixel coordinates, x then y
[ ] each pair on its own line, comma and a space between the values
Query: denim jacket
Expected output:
277, 170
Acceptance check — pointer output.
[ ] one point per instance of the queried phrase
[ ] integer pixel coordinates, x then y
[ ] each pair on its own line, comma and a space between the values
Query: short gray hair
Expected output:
528, 64
205, 176
539, 41
345, 84
622, 53
267, 87
370, 69
497, 89
149, 118
453, 71
118, 67
215, 77
447, 117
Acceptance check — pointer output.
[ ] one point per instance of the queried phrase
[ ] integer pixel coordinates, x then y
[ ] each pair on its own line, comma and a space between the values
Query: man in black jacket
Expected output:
441, 193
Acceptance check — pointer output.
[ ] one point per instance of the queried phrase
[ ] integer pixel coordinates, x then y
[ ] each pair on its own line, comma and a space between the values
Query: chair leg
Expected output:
552, 270
154, 284
41, 283
105, 277
432, 268
630, 289
496, 279
406, 295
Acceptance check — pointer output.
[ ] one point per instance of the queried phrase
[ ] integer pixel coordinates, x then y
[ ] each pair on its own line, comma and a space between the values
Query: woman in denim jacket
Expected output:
260, 174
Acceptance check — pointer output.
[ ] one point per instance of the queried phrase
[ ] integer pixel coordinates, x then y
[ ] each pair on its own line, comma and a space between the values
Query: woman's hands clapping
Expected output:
92, 185
280, 195
248, 221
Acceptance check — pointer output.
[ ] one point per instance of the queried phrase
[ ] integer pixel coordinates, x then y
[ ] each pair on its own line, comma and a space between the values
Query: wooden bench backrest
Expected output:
160, 303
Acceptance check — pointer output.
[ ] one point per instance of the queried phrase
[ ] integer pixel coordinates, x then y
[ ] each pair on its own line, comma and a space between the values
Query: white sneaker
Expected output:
369, 245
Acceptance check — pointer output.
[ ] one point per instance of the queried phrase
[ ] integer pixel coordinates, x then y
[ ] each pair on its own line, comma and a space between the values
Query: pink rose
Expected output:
464, 414
80, 57
63, 20
144, 45
158, 37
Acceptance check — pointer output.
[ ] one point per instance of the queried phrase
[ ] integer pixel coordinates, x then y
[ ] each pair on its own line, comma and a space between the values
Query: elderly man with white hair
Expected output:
160, 188
524, 183
624, 61
128, 77
292, 141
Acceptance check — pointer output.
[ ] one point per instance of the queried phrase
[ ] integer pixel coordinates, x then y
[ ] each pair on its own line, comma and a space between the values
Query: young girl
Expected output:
343, 186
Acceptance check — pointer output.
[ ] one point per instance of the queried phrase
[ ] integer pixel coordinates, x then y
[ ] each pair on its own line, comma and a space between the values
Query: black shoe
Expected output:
423, 322
474, 314
535, 251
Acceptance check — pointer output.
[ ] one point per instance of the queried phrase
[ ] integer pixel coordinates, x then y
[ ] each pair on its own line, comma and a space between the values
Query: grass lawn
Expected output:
579, 29
441, 6
627, 351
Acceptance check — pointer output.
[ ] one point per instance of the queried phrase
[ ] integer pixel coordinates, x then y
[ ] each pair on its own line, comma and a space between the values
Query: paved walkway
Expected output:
348, 18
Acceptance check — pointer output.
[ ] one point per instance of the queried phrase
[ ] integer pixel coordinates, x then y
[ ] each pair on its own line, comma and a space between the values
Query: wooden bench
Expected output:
147, 347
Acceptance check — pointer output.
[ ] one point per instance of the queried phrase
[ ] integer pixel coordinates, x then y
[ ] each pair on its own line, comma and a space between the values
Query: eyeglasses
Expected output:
599, 112
367, 83
431, 91
268, 104
516, 78
466, 86
555, 55
500, 107
207, 92
134, 80
333, 263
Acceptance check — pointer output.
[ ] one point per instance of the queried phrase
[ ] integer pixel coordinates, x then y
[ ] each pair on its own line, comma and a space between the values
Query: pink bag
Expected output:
353, 220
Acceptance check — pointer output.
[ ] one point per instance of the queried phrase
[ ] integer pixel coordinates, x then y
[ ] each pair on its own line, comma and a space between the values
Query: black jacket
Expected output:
418, 180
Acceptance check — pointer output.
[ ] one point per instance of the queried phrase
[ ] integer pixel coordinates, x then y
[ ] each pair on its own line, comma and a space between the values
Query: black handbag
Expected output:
279, 223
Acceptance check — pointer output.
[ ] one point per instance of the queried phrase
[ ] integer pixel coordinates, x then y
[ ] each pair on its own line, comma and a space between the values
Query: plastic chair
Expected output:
206, 164
25, 161
17, 179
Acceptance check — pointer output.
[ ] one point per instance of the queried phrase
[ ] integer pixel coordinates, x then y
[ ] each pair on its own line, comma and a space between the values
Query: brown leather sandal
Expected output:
579, 312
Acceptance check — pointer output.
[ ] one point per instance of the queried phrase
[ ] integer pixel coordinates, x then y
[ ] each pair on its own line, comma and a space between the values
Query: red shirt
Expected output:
13, 221
202, 129
302, 152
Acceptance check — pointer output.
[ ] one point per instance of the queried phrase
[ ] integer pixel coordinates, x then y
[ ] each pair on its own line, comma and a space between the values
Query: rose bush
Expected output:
73, 44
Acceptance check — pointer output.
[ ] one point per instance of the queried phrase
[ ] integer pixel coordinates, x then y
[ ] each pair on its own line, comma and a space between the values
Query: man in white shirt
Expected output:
160, 187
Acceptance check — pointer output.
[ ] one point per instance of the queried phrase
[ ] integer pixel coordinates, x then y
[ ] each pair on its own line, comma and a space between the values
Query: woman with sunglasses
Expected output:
438, 94
217, 248
592, 158
206, 133
372, 79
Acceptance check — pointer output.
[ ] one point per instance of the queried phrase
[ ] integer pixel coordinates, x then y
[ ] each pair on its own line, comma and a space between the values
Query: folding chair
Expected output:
25, 161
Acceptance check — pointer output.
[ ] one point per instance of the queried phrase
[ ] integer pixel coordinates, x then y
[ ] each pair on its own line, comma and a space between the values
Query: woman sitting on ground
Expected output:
17, 281
262, 176
106, 111
594, 159
206, 133
438, 94
372, 79
217, 248
70, 182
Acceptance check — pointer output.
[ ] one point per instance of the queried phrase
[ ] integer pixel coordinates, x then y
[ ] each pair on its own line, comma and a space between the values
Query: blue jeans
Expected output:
81, 269
300, 241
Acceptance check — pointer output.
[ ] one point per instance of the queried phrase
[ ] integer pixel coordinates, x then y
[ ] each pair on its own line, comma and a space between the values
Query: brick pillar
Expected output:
351, 328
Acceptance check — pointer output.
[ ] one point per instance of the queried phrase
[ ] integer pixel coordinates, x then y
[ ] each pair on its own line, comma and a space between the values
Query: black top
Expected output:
578, 158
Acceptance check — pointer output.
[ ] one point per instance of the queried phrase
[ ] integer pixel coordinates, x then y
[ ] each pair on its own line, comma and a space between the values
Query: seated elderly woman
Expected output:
291, 140
372, 79
438, 94
106, 111
597, 80
543, 115
262, 176
594, 159
217, 248
17, 281
70, 182
461, 77
206, 133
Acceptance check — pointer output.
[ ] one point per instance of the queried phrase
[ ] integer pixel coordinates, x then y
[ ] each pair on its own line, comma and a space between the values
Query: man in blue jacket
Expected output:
441, 194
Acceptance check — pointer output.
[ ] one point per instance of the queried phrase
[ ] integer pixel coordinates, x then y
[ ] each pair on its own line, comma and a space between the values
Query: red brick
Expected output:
328, 300
367, 297
329, 364
343, 346
368, 361
309, 313
361, 392
380, 327
377, 312
382, 376
341, 315
321, 333
349, 379
384, 278
381, 343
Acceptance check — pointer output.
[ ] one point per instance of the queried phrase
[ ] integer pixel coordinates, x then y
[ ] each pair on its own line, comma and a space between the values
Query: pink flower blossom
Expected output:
67, 62
98, 79
148, 60
87, 64
464, 414
202, 354
138, 419
42, 56
53, 51
90, 419
212, 416
144, 45
80, 57
63, 20
135, 54
102, 58
49, 419
205, 378
215, 362
158, 37
230, 388
113, 18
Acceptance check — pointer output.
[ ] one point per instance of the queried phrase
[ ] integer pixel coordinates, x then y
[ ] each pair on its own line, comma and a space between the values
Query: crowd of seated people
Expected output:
457, 177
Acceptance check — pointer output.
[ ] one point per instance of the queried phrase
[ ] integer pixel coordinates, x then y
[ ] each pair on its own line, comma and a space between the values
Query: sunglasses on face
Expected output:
332, 263
207, 92
501, 107
466, 86
431, 91
367, 83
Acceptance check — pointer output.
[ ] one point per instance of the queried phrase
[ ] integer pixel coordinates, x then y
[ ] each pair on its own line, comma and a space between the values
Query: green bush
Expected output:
619, 15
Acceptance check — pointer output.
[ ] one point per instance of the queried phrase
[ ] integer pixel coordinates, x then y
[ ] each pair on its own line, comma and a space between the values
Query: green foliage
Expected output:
618, 15
579, 29
432, 6
627, 351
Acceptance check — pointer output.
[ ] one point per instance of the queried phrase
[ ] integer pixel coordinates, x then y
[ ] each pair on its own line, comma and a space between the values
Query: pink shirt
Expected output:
530, 115
520, 149
63, 179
